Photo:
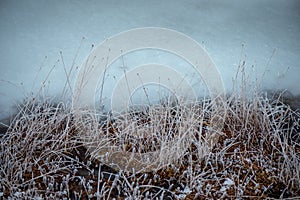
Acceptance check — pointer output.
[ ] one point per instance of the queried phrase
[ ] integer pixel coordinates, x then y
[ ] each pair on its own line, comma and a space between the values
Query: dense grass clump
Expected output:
171, 151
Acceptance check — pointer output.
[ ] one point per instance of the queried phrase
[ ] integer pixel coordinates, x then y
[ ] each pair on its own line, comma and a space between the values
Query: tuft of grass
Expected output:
157, 152
237, 147
149, 138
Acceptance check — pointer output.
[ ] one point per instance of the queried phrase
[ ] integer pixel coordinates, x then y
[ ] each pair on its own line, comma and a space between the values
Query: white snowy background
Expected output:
263, 33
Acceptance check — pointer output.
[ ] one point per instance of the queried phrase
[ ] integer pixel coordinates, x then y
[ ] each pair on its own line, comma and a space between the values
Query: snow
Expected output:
263, 33
185, 192
228, 182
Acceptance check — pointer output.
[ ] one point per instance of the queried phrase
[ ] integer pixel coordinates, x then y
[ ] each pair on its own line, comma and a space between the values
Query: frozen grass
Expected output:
149, 138
51, 152
243, 146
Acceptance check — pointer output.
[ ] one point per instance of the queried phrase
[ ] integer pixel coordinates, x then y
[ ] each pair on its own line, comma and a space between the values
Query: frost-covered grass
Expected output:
163, 151
241, 146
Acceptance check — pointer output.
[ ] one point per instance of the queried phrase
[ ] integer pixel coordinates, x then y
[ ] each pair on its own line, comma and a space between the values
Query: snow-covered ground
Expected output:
264, 33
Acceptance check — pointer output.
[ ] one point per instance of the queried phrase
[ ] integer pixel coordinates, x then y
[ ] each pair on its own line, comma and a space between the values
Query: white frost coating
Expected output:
136, 39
